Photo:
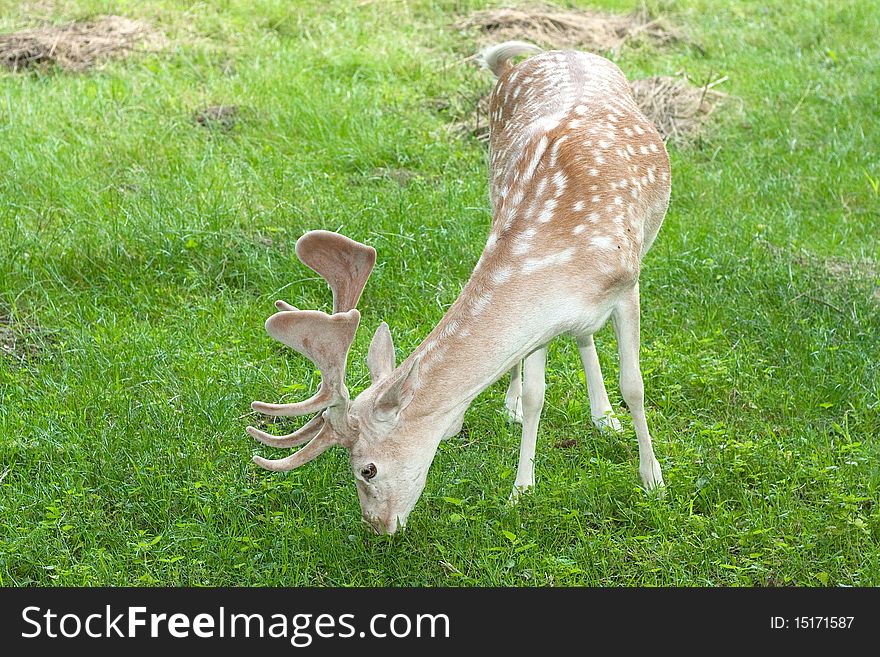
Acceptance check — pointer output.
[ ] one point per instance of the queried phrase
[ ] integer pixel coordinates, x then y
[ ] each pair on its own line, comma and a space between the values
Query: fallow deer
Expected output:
579, 186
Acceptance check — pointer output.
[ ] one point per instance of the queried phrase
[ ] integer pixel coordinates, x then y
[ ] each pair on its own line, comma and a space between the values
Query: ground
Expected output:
146, 234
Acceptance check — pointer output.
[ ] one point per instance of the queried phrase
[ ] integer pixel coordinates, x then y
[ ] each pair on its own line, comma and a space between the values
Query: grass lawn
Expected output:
140, 253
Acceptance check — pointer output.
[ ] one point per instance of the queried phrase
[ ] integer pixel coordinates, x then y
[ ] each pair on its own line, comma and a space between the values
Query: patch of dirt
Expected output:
77, 46
399, 175
403, 177
223, 117
679, 109
843, 271
264, 240
21, 343
836, 268
566, 444
676, 107
555, 27
839, 270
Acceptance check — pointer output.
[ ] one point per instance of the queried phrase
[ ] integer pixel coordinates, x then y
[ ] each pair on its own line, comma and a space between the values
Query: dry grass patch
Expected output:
79, 45
555, 27
676, 107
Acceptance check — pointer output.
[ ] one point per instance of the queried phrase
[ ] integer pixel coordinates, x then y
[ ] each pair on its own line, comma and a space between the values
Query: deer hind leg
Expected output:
626, 326
600, 407
532, 405
513, 398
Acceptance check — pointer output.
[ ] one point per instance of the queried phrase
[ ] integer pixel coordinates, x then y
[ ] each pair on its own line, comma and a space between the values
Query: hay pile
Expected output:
77, 46
677, 108
555, 27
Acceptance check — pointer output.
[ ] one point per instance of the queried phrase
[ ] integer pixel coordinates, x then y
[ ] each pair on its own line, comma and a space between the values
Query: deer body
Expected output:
579, 185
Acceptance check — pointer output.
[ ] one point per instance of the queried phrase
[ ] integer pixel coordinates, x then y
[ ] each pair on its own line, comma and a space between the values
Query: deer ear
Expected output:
399, 391
380, 357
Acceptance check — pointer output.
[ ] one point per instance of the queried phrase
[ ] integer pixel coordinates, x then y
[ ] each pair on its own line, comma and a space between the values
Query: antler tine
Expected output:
325, 439
325, 340
342, 262
303, 435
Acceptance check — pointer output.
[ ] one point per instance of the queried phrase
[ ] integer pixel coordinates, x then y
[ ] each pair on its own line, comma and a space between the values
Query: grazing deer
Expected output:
579, 185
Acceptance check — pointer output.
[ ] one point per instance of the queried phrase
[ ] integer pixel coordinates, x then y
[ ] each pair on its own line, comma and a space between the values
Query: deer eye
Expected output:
368, 471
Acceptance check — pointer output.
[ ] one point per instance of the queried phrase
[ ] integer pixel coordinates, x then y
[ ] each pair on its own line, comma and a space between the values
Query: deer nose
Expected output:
382, 525
389, 524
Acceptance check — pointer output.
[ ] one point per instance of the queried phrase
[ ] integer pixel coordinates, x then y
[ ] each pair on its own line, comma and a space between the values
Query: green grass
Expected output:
141, 253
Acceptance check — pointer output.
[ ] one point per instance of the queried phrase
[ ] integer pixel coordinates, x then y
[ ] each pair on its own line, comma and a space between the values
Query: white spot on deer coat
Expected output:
559, 181
554, 152
479, 303
602, 242
535, 264
547, 211
501, 275
533, 163
450, 328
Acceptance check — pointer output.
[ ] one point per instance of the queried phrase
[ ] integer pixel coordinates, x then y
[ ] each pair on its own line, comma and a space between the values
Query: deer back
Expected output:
579, 178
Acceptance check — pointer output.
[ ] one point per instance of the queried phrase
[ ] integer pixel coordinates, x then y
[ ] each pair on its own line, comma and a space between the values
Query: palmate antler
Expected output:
325, 340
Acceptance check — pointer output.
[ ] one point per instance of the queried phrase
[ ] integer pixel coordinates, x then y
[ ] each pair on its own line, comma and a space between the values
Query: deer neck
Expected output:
482, 335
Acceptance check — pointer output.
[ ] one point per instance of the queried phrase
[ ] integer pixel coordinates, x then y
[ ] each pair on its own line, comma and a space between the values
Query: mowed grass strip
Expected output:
142, 249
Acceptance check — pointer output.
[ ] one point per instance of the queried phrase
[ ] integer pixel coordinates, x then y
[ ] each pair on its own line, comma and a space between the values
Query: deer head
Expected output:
389, 472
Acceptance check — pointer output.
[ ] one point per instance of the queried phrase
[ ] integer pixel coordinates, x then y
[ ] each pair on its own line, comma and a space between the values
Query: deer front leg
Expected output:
532, 405
600, 407
513, 398
626, 326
